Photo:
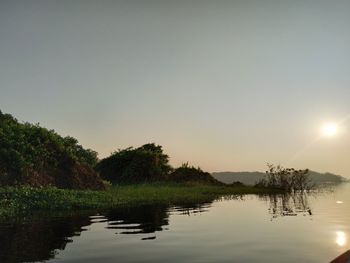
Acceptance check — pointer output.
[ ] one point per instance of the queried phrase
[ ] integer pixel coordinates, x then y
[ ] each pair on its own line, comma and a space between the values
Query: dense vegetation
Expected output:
35, 156
147, 163
26, 199
192, 174
287, 179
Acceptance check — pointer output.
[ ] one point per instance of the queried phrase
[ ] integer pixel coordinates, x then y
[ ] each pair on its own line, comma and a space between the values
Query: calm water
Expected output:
299, 228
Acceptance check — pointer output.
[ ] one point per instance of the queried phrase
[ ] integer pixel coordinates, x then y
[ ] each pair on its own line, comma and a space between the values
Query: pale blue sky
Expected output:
226, 85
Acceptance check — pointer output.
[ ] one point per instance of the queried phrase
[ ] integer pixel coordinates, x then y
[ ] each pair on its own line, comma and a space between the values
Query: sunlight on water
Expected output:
341, 238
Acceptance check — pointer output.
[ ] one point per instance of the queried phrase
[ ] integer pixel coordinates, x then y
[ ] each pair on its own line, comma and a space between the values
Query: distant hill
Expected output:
320, 178
250, 178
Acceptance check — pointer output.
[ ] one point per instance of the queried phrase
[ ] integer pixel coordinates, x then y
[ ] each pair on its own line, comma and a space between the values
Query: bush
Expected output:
237, 183
287, 179
144, 164
187, 173
35, 156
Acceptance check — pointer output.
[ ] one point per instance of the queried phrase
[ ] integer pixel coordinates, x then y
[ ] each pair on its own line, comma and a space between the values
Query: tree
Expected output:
33, 155
146, 163
187, 173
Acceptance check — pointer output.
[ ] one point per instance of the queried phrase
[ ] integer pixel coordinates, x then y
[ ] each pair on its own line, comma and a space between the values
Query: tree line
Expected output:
35, 156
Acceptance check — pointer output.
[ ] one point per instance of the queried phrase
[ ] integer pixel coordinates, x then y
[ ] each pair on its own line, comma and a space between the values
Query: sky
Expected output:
224, 85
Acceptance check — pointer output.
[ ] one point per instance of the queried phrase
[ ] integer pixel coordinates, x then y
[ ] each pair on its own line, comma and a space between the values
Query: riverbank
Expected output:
26, 199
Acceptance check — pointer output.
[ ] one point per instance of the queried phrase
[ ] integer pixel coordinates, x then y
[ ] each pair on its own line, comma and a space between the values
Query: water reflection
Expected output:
40, 237
291, 204
138, 220
190, 209
341, 238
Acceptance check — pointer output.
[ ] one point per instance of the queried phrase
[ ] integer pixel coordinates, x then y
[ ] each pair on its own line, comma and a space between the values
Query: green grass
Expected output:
26, 199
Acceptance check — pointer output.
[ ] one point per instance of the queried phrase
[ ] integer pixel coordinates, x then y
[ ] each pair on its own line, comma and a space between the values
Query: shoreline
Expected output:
23, 200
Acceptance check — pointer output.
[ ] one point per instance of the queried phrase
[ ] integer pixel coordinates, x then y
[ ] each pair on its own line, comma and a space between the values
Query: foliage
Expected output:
287, 179
186, 173
237, 183
144, 164
27, 199
33, 155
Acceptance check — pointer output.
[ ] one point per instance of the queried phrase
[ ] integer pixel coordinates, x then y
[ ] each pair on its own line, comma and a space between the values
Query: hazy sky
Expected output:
226, 85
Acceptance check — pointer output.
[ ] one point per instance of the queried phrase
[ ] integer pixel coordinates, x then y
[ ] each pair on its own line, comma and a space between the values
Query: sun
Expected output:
329, 129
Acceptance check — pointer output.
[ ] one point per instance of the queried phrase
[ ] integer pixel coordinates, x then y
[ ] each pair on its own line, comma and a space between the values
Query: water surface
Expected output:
294, 228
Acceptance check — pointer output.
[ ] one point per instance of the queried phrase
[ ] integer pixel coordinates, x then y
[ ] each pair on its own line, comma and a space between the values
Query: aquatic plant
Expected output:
28, 199
287, 179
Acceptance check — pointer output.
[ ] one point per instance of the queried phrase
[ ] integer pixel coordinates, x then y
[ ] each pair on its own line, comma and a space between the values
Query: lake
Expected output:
249, 228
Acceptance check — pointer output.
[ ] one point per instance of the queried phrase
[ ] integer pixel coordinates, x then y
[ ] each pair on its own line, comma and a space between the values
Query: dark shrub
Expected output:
144, 164
237, 183
32, 155
187, 173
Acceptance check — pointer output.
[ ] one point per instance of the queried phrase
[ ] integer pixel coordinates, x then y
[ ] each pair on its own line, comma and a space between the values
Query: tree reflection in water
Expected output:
291, 204
191, 209
39, 237
138, 220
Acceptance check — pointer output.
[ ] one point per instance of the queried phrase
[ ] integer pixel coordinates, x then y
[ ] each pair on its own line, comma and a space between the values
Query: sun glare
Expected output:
329, 129
341, 238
